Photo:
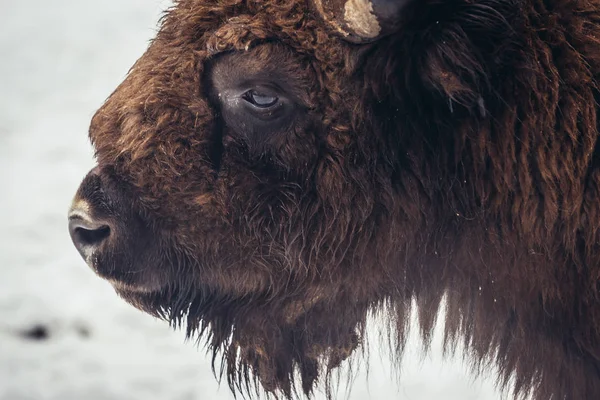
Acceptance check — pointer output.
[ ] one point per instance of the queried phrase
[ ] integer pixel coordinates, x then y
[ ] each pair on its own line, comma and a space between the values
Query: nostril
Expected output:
87, 235
91, 237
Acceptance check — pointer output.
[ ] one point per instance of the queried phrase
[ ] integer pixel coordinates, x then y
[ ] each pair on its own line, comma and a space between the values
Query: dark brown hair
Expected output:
454, 158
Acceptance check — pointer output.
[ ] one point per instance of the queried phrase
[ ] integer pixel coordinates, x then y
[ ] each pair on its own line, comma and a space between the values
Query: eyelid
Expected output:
265, 88
266, 113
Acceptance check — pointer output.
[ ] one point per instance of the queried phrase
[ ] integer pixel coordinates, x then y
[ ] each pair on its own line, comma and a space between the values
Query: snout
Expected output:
111, 236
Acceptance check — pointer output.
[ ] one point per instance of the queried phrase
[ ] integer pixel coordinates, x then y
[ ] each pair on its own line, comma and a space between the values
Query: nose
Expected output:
87, 234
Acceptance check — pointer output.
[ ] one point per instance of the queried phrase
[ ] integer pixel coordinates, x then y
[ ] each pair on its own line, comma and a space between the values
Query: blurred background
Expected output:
64, 334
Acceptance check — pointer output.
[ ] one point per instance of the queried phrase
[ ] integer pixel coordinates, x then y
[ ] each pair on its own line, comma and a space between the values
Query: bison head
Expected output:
270, 171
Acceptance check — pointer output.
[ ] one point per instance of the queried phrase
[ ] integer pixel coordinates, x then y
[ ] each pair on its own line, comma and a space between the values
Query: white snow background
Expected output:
59, 60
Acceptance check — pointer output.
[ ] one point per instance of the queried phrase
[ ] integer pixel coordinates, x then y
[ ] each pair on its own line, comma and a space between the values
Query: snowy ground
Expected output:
58, 61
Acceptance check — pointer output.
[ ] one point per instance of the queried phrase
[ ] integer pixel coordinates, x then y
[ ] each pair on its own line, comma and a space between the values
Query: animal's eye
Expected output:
260, 99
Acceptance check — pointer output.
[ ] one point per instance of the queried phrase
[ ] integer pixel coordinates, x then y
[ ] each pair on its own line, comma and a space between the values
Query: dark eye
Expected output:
259, 99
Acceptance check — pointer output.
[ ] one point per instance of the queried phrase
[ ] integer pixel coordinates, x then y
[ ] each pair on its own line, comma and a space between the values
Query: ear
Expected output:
362, 21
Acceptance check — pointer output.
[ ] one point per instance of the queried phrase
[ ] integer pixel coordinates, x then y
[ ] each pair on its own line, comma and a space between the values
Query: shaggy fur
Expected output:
456, 158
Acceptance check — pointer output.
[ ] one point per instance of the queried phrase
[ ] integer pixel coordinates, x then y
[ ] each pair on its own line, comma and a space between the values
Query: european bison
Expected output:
271, 171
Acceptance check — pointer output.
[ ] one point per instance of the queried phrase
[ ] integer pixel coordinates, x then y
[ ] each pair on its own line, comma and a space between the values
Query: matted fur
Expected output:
456, 157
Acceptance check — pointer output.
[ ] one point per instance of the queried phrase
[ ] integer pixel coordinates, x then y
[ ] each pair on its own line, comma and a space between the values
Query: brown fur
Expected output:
456, 157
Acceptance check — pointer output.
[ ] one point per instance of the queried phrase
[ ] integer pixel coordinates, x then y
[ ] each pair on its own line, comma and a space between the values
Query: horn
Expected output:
362, 21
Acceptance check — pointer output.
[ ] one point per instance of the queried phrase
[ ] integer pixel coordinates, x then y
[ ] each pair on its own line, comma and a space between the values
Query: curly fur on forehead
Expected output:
455, 159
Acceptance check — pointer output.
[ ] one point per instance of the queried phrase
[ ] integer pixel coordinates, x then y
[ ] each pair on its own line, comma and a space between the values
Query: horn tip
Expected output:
359, 16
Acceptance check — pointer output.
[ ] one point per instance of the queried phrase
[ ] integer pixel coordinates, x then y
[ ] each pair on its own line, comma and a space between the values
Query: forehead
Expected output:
212, 27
